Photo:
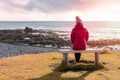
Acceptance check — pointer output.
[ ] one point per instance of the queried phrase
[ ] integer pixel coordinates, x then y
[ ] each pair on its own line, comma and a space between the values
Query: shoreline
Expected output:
11, 49
19, 42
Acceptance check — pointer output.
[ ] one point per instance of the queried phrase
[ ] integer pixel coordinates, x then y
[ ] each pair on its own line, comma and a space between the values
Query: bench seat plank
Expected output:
80, 51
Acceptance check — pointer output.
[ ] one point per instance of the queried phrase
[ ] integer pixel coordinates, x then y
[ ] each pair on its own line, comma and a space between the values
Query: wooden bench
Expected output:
66, 51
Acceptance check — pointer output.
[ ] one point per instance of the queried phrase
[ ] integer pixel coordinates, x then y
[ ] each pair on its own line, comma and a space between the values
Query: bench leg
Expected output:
96, 58
65, 58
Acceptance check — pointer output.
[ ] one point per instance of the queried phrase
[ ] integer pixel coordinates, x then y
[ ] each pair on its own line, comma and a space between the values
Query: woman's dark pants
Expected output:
77, 56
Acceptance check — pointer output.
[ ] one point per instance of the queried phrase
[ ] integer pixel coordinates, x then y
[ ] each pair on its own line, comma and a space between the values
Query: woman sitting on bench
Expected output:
79, 38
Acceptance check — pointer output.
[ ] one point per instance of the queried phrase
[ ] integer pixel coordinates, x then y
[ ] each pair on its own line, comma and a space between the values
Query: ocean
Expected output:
97, 29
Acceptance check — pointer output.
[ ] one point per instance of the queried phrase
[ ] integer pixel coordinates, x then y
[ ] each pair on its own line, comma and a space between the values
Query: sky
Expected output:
59, 10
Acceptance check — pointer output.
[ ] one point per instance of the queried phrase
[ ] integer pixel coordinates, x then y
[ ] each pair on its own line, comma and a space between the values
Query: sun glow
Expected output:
104, 12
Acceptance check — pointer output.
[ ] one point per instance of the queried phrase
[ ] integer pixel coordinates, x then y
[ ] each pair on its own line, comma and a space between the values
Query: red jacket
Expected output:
79, 37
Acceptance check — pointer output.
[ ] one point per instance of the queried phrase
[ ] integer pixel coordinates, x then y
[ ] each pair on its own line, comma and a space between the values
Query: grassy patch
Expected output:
106, 52
79, 67
48, 66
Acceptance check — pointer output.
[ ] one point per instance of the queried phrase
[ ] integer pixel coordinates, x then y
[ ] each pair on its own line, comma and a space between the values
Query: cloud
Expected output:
49, 6
54, 9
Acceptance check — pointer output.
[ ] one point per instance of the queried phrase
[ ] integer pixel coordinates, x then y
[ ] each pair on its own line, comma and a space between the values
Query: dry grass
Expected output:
41, 67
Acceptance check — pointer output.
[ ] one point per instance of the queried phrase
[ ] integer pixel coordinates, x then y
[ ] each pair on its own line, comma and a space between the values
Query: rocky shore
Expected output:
7, 50
29, 41
30, 36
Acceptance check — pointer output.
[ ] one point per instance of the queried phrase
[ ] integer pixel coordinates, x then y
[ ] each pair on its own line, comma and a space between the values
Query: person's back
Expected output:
79, 37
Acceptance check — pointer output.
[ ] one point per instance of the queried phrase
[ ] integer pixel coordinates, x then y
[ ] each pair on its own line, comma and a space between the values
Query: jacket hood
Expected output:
79, 26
